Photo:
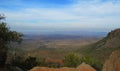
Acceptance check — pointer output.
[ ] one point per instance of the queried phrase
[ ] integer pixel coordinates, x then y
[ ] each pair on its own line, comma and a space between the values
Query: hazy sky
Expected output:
61, 14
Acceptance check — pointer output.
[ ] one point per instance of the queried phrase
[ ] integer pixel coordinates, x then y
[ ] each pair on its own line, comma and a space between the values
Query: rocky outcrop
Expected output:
82, 67
52, 69
85, 67
113, 63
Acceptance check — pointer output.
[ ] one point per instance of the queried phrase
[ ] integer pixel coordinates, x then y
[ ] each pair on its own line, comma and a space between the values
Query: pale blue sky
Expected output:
94, 15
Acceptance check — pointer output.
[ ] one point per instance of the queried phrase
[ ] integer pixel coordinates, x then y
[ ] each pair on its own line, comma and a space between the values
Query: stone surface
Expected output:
82, 67
113, 63
85, 67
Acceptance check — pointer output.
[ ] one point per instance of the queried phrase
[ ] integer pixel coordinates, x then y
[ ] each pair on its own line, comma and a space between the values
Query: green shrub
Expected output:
94, 63
88, 60
72, 60
26, 64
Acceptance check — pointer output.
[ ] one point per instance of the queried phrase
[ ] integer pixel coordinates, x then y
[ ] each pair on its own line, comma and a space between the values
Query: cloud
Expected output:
80, 14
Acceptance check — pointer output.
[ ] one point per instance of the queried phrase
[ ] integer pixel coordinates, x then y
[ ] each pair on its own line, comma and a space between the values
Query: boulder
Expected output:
82, 67
85, 67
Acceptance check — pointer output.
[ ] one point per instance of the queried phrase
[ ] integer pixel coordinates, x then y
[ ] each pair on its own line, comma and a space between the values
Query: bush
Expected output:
30, 62
94, 63
26, 64
98, 65
7, 36
40, 61
88, 60
72, 60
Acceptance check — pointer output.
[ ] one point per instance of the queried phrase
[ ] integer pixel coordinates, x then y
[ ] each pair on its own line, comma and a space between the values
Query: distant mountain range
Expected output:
65, 35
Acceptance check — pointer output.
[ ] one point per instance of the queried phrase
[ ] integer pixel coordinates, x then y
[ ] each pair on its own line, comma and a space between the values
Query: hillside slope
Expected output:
112, 40
103, 48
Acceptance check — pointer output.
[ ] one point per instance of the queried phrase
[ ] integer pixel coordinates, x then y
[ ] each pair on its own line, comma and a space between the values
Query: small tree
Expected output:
6, 37
87, 59
72, 60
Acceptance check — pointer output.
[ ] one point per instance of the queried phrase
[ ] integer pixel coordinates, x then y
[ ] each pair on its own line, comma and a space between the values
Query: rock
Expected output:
85, 67
113, 63
82, 67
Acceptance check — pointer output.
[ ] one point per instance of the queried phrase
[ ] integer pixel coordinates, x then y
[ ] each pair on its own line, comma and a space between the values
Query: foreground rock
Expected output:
113, 63
85, 67
82, 67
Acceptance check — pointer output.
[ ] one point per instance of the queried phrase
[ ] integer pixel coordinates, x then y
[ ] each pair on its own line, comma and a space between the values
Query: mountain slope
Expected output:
103, 48
113, 63
112, 40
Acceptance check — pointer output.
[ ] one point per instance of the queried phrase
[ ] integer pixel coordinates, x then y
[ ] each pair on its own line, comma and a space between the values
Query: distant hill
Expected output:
64, 35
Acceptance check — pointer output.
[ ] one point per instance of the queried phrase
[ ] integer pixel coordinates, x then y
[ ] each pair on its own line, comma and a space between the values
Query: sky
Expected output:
91, 15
